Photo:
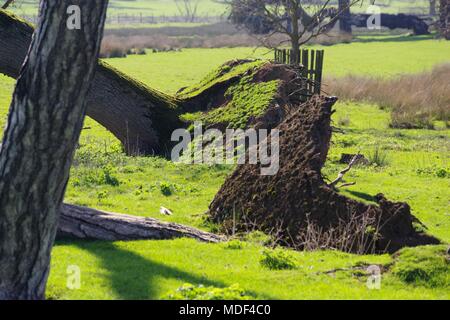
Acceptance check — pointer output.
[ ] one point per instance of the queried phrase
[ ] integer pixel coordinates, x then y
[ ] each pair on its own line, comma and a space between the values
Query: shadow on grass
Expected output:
132, 276
394, 38
362, 195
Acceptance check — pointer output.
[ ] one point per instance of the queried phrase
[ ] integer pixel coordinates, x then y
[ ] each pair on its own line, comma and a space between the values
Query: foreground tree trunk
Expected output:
143, 119
44, 124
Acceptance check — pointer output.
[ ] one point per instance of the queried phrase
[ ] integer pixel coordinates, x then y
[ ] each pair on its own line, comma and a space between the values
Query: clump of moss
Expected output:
277, 259
249, 99
245, 98
191, 292
226, 72
427, 266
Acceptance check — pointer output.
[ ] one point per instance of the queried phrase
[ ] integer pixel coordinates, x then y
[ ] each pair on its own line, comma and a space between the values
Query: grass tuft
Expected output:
277, 259
191, 292
423, 266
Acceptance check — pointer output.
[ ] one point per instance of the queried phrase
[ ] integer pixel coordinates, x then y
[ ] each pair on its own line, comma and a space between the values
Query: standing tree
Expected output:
345, 23
444, 18
44, 124
432, 7
187, 9
299, 20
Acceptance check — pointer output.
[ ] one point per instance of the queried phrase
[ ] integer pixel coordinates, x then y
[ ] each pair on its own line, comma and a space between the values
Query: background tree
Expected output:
432, 7
444, 18
345, 24
44, 124
187, 9
299, 20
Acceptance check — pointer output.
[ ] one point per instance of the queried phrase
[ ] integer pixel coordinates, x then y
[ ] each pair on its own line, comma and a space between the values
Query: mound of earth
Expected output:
299, 208
241, 94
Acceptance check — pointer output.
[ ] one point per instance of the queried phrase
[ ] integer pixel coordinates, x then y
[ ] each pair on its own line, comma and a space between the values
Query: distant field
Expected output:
146, 7
212, 8
377, 58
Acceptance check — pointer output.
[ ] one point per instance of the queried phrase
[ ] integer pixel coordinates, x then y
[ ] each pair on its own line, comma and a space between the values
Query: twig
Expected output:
7, 3
343, 172
346, 185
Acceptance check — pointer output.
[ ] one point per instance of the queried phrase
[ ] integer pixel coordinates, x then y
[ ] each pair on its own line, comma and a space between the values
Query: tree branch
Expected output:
343, 172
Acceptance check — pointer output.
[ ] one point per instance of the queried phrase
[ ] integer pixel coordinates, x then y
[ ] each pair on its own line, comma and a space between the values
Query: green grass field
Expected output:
416, 170
213, 8
146, 7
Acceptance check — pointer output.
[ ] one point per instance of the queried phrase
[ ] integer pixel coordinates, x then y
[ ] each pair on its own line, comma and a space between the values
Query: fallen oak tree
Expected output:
100, 225
143, 119
140, 117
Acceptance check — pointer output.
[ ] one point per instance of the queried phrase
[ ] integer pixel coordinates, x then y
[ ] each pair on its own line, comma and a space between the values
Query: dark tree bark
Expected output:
444, 18
44, 124
141, 118
345, 16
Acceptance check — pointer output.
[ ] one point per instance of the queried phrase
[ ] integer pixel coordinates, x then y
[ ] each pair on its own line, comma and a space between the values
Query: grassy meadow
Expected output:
406, 165
214, 8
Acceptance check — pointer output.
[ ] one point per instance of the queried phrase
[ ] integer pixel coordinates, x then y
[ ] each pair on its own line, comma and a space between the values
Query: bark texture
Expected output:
44, 124
140, 117
85, 223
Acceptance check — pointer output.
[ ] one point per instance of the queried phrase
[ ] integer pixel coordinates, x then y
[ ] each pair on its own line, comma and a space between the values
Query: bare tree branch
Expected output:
7, 3
343, 172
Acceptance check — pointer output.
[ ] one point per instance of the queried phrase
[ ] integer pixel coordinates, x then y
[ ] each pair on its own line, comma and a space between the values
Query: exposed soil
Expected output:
300, 208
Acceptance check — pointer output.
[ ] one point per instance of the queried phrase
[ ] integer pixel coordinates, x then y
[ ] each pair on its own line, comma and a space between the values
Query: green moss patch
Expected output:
244, 98
191, 292
427, 266
223, 74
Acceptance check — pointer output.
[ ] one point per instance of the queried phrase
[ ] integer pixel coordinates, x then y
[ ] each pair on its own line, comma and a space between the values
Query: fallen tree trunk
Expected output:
143, 119
86, 223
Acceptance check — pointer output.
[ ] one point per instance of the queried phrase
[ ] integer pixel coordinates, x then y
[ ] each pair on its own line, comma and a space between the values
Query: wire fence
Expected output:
137, 19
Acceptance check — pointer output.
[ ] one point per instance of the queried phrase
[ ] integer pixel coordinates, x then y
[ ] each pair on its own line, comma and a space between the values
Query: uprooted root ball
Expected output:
300, 208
